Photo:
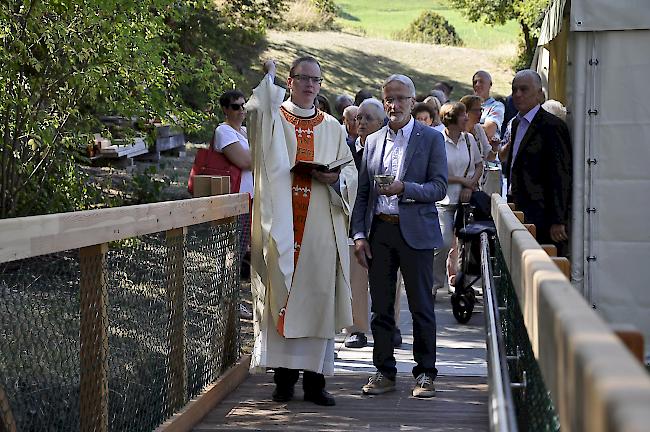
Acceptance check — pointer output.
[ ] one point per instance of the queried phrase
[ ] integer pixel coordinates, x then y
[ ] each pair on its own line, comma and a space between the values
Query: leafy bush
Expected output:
431, 28
148, 186
310, 15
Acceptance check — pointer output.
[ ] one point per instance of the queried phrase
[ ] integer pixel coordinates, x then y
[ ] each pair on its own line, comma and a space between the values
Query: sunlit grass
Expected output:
382, 18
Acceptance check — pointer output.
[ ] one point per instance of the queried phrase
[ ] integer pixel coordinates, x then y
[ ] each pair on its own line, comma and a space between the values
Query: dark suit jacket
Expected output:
424, 173
541, 177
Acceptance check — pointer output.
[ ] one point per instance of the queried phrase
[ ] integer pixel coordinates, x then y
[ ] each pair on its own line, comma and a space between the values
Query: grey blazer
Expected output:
424, 173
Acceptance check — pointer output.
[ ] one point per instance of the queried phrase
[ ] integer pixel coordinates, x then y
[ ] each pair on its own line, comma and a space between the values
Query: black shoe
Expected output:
282, 394
397, 338
320, 398
356, 340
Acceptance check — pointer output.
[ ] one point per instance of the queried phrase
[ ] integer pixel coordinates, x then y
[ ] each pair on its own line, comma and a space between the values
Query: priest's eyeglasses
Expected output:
304, 79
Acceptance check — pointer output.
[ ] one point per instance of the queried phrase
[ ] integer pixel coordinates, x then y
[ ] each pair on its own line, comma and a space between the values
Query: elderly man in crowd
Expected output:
538, 166
493, 110
350, 125
300, 255
395, 224
341, 102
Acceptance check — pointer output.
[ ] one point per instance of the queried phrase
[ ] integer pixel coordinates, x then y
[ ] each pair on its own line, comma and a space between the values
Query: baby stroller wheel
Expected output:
462, 300
462, 306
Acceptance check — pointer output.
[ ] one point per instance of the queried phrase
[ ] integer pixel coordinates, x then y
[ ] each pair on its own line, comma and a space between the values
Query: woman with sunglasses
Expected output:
230, 138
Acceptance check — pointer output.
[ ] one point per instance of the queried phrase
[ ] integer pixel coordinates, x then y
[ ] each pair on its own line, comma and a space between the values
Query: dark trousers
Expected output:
312, 382
390, 252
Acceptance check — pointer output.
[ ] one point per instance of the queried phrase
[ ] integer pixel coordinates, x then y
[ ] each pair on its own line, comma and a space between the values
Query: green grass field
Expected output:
382, 18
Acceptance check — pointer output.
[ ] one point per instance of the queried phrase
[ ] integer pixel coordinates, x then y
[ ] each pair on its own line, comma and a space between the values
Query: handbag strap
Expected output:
469, 155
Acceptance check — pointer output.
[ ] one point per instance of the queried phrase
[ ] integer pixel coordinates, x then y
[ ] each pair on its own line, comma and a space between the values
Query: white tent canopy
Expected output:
599, 53
610, 15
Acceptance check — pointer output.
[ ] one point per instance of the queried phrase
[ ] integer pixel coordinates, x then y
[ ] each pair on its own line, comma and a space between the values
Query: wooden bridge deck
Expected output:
459, 405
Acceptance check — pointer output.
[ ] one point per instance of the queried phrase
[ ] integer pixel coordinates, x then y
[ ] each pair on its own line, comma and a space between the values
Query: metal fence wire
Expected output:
534, 406
118, 337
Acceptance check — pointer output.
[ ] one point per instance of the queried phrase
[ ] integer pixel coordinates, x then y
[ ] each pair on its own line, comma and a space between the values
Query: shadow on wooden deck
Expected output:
460, 405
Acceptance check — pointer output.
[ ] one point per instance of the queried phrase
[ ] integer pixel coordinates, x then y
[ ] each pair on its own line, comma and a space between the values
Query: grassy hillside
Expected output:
352, 62
382, 18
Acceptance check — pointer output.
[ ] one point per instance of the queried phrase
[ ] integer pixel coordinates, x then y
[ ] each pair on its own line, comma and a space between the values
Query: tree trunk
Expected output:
528, 42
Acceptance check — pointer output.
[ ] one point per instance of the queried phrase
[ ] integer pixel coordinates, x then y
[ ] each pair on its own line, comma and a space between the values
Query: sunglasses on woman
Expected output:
236, 107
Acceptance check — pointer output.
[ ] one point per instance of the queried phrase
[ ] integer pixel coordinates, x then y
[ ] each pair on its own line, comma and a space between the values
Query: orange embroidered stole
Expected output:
300, 187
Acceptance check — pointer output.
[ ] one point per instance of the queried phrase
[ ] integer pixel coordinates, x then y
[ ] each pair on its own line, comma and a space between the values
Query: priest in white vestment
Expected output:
299, 253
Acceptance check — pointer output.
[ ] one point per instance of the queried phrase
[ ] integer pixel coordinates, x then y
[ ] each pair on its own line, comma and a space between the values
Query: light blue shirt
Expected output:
494, 111
524, 122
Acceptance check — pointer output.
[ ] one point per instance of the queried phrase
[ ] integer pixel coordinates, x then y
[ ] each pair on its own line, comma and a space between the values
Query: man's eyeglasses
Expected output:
236, 107
399, 99
304, 79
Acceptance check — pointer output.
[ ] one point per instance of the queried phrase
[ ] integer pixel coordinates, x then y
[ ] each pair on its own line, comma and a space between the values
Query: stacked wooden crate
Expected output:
207, 185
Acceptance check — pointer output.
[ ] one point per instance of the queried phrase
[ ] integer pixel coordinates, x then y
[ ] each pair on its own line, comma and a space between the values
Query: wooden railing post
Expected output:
93, 406
177, 304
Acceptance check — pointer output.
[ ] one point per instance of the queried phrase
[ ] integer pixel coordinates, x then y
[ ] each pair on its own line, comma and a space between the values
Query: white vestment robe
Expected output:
317, 292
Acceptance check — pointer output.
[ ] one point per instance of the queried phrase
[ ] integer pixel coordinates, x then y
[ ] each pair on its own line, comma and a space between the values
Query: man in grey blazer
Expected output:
396, 227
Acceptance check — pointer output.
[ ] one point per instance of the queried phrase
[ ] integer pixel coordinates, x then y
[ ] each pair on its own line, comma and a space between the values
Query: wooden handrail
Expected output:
595, 382
39, 235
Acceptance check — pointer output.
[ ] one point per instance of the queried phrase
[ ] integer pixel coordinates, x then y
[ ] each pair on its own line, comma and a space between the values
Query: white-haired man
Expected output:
350, 125
395, 226
538, 167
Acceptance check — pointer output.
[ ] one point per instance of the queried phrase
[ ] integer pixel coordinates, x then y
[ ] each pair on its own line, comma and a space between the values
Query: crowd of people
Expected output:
326, 244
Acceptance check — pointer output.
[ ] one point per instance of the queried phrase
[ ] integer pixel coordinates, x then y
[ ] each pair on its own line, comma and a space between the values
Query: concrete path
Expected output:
460, 347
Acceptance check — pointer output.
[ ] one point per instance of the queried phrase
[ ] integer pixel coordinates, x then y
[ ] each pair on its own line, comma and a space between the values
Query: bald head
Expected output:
482, 83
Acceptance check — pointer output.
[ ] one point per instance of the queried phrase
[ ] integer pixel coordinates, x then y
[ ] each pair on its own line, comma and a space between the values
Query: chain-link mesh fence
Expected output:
535, 410
120, 337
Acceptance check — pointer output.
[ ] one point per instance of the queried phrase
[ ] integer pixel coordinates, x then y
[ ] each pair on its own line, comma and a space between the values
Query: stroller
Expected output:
472, 219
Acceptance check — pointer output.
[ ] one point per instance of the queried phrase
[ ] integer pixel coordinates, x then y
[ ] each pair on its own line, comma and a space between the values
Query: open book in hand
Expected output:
305, 167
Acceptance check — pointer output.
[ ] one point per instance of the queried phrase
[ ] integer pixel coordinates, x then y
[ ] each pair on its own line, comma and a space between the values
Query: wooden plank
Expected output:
564, 265
550, 249
520, 215
512, 206
531, 229
459, 405
93, 353
39, 235
632, 338
176, 301
199, 407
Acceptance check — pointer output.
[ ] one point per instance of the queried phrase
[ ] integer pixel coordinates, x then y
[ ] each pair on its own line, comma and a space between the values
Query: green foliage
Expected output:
431, 28
528, 14
147, 186
310, 15
326, 6
65, 62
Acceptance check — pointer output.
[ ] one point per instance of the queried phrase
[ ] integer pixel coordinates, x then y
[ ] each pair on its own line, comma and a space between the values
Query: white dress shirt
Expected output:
395, 148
